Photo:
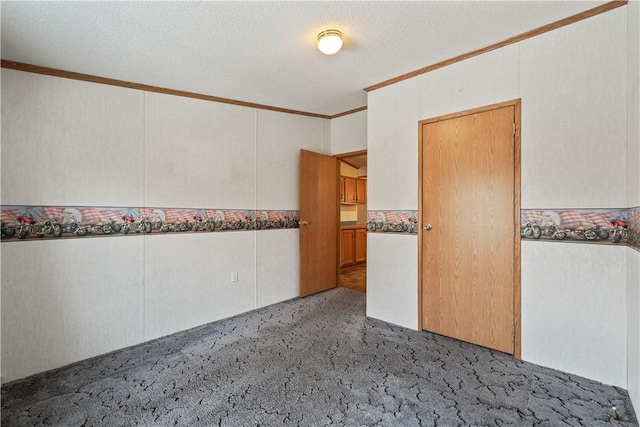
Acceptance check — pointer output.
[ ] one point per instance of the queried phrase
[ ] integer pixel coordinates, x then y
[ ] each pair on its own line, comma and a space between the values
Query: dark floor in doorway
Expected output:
354, 277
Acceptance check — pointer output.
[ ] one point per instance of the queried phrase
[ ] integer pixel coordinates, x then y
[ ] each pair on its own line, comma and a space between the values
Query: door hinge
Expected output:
514, 128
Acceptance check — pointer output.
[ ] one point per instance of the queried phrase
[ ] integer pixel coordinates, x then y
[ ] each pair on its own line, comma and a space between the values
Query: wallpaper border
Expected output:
30, 222
23, 223
599, 226
398, 222
633, 239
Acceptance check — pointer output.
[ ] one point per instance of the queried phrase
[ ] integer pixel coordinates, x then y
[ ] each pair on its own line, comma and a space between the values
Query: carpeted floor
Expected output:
309, 362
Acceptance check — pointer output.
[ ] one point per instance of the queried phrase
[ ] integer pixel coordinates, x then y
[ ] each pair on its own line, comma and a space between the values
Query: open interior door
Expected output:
319, 186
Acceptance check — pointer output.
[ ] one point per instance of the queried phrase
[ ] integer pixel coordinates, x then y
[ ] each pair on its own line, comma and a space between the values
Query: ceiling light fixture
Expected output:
330, 41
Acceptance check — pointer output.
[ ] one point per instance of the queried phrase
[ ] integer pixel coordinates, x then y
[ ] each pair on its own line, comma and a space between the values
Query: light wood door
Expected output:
319, 180
470, 196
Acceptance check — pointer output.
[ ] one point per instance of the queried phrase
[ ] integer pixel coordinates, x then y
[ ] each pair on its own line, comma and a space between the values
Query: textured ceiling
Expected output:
263, 52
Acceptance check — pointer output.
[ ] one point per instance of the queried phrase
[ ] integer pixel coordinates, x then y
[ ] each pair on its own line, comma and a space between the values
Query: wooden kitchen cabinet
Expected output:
360, 245
348, 189
361, 190
353, 190
348, 249
353, 245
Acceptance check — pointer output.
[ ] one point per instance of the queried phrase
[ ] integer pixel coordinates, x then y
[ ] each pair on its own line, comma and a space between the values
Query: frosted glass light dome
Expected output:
330, 41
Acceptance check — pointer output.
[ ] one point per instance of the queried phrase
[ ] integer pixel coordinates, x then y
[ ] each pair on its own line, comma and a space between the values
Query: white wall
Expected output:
279, 141
67, 142
392, 161
573, 106
633, 200
187, 279
633, 327
587, 338
277, 271
392, 267
198, 153
633, 101
280, 138
349, 133
573, 89
67, 300
72, 143
392, 174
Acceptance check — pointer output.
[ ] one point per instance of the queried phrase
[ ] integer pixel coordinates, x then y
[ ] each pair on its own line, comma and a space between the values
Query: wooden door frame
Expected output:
517, 291
342, 158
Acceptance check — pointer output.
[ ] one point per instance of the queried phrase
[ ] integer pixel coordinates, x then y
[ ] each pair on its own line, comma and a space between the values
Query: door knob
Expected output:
428, 227
304, 222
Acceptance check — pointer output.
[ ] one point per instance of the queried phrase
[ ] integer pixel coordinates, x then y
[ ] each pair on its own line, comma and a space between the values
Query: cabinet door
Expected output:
350, 189
361, 190
361, 245
347, 249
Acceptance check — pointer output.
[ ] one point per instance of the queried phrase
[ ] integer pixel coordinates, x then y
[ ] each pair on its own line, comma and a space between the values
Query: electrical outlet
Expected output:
234, 276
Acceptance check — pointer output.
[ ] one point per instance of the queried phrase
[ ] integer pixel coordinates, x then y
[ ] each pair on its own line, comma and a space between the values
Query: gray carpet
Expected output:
310, 362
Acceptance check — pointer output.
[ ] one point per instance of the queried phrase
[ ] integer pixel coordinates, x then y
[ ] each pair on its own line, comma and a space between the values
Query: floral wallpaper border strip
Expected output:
20, 223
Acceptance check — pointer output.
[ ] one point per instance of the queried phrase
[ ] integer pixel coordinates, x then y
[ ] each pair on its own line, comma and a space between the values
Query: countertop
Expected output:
353, 227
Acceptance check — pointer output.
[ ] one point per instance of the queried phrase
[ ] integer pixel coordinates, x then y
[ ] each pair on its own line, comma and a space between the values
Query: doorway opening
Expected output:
352, 199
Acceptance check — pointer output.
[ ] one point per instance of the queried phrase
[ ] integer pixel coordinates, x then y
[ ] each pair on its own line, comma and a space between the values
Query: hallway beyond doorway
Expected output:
354, 277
